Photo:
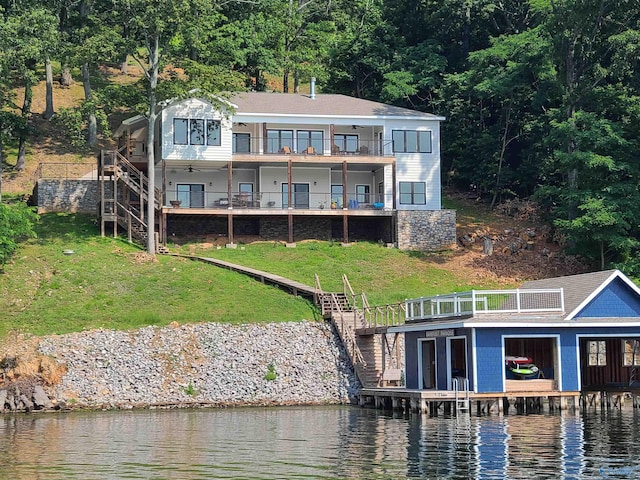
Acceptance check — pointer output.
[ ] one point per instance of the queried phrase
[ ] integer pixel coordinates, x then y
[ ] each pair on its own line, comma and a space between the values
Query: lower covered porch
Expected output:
275, 224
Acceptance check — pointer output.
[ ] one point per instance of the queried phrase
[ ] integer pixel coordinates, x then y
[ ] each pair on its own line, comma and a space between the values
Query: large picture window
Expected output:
277, 140
346, 142
192, 131
597, 353
413, 193
411, 141
309, 141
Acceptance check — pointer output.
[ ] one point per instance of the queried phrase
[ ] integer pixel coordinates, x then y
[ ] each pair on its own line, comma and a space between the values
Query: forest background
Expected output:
541, 96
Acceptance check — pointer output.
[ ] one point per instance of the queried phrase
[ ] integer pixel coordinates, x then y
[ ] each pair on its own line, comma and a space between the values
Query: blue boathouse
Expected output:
559, 337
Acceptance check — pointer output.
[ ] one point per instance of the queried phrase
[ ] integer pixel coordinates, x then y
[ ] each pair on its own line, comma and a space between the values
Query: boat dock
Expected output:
433, 402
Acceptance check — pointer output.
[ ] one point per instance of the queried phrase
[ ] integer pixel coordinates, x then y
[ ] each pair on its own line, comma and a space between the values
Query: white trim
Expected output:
474, 359
435, 363
448, 354
595, 335
249, 116
418, 327
603, 285
557, 374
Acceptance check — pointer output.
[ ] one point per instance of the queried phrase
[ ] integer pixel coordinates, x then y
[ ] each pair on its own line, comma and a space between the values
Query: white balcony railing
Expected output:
486, 302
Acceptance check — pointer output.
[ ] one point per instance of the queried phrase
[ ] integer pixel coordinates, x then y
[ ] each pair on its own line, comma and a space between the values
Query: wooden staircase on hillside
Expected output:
124, 196
366, 346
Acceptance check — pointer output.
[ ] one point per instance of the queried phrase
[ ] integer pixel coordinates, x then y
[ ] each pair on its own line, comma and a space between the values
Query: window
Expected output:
180, 128
245, 187
362, 194
192, 131
413, 193
346, 143
309, 138
213, 132
278, 139
196, 132
631, 351
597, 353
241, 143
411, 141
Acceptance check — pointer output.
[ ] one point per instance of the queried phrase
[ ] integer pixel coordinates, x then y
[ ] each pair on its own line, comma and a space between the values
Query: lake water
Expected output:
317, 442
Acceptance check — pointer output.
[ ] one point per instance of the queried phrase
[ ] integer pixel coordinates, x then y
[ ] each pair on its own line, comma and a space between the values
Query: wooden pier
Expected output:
433, 402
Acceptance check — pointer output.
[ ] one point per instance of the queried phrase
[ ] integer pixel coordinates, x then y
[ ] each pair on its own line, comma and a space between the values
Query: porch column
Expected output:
264, 137
290, 203
332, 135
345, 218
230, 200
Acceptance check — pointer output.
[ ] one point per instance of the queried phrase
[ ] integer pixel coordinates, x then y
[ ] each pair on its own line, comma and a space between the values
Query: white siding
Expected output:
418, 167
194, 109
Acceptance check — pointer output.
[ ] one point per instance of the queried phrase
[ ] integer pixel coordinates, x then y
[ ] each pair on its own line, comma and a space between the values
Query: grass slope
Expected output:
107, 283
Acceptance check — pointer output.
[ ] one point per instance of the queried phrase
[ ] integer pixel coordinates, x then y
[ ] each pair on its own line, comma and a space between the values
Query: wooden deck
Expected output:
433, 401
290, 286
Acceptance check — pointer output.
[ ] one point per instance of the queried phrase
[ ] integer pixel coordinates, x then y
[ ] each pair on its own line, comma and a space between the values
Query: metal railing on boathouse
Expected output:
486, 302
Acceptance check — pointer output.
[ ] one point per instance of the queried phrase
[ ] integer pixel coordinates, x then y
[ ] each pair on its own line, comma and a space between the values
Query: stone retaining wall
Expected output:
426, 230
75, 196
209, 363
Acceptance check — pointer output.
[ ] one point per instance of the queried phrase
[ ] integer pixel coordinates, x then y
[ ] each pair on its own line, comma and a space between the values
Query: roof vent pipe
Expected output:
313, 88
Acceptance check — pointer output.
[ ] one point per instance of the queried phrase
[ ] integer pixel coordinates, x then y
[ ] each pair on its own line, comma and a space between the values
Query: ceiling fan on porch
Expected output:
190, 169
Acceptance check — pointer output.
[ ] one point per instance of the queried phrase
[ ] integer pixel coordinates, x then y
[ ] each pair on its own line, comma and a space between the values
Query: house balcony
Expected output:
276, 203
477, 302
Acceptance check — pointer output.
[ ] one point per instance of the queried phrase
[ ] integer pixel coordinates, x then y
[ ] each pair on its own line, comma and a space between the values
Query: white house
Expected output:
292, 166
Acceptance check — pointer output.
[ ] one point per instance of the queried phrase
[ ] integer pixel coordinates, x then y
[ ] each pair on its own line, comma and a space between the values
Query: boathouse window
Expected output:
597, 353
413, 193
631, 349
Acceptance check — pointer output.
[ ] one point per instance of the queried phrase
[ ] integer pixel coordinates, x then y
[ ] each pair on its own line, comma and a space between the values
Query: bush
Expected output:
16, 224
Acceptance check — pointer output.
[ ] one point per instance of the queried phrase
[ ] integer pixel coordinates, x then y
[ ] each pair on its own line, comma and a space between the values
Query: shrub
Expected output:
16, 224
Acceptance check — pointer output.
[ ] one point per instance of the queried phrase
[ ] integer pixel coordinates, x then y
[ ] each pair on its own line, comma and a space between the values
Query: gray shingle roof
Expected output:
323, 104
576, 287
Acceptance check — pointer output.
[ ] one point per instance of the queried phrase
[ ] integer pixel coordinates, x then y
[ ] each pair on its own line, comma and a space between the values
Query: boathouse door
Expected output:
456, 358
427, 373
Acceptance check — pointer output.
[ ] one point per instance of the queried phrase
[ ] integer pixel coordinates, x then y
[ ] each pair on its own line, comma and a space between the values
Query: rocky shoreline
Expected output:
208, 364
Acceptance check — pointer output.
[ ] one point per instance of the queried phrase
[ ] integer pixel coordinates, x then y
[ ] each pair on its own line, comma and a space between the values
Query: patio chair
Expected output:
286, 150
310, 150
335, 150
364, 150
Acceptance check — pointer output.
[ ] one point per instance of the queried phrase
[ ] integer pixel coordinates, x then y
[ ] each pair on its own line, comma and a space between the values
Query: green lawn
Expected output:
107, 283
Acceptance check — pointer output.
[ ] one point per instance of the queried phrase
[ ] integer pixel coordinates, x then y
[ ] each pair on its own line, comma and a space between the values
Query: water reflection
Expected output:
317, 442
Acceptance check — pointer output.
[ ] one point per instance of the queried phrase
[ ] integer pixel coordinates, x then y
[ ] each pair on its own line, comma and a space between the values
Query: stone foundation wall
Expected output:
75, 196
426, 230
276, 228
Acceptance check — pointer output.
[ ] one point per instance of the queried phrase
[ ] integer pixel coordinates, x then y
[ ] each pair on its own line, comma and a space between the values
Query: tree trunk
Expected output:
285, 81
66, 80
49, 111
21, 163
154, 61
92, 128
296, 82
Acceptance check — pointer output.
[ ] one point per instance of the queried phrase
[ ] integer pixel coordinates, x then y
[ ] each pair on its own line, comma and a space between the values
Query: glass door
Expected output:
191, 195
300, 195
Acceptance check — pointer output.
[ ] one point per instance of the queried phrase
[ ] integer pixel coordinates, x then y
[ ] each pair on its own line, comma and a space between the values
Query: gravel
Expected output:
209, 363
